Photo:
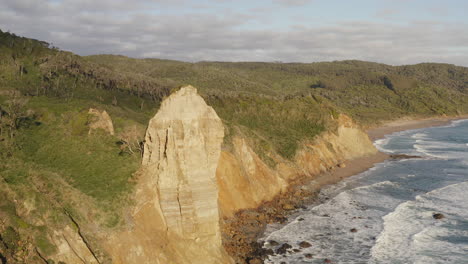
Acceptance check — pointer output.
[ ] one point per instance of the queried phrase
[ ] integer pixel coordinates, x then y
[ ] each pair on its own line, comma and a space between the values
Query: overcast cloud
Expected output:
214, 30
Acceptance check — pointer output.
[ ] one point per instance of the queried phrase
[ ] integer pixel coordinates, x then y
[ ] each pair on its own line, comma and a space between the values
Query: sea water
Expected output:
386, 214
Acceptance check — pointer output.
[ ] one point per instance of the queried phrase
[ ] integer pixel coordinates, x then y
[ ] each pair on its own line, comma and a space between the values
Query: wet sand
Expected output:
353, 167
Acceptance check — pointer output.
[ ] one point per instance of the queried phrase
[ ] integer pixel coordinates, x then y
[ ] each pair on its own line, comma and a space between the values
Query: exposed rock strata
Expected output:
245, 181
71, 248
176, 219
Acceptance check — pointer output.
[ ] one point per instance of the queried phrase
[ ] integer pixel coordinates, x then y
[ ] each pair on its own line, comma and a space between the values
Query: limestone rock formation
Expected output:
183, 144
176, 219
100, 120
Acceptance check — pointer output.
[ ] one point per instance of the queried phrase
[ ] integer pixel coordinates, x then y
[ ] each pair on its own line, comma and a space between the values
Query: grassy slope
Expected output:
52, 162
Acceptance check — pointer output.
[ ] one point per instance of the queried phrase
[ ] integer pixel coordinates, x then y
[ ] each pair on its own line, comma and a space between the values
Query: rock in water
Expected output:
273, 243
438, 216
305, 244
283, 249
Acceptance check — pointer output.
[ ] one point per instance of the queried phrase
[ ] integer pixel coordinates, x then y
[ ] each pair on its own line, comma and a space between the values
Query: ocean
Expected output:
388, 213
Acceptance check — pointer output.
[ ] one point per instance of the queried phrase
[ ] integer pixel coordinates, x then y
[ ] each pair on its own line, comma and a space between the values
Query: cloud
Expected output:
387, 12
137, 29
293, 2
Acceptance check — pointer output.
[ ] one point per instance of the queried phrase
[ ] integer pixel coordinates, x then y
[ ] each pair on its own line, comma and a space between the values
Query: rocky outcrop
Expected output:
176, 218
100, 120
71, 248
183, 144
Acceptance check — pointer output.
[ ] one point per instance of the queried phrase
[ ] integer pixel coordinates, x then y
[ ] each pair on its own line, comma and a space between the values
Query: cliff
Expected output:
187, 184
245, 181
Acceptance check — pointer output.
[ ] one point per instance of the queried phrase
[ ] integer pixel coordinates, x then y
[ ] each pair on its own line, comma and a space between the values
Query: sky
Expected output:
394, 32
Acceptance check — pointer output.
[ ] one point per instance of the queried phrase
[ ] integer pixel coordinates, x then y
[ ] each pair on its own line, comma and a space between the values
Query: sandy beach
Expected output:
407, 124
358, 165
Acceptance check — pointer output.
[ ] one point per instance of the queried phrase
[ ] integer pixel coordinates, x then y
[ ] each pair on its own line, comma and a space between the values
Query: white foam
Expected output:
330, 223
375, 203
381, 143
410, 232
441, 149
419, 136
423, 149
456, 123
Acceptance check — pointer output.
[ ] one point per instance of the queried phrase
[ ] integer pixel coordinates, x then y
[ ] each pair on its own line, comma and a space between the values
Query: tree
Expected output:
12, 115
388, 83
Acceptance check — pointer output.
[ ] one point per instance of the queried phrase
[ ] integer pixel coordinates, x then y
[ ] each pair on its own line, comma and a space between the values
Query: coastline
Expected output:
399, 125
359, 165
250, 225
355, 166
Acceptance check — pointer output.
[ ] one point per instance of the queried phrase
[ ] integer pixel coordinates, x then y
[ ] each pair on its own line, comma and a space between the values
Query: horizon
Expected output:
388, 32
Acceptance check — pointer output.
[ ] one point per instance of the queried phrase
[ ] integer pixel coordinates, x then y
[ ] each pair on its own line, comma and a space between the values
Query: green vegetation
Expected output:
48, 160
275, 125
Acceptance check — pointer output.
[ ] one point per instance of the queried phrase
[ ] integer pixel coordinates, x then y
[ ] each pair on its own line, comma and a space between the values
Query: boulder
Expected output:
305, 244
256, 261
282, 250
438, 216
288, 207
273, 243
100, 120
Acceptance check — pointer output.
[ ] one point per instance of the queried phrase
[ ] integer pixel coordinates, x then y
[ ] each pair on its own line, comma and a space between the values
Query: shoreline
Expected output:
250, 225
399, 125
359, 165
362, 164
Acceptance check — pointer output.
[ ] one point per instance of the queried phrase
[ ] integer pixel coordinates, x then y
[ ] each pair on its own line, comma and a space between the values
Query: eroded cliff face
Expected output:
176, 218
245, 181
